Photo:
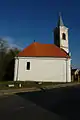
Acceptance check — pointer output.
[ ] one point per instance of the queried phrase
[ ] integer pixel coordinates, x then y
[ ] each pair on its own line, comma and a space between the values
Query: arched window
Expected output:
63, 36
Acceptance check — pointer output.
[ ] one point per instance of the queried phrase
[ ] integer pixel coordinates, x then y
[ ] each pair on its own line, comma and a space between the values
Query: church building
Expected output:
45, 62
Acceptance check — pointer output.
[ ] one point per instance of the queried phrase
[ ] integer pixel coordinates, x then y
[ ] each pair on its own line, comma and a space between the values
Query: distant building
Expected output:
45, 62
75, 75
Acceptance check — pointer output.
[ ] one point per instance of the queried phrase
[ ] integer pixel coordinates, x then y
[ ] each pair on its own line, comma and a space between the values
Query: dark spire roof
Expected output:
60, 21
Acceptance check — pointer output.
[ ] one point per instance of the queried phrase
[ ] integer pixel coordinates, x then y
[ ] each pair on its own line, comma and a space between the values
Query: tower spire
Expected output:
60, 21
61, 35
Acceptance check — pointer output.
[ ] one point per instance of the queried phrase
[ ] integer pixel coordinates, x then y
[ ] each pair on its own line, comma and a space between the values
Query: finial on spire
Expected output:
59, 13
34, 40
60, 21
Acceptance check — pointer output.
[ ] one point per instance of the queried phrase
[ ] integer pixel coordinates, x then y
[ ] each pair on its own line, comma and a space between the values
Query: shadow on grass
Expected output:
62, 101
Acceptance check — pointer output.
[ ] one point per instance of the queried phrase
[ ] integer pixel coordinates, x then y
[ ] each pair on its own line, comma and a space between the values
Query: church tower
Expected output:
61, 35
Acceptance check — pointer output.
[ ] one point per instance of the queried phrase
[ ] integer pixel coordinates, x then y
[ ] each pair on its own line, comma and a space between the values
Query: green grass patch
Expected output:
5, 85
25, 84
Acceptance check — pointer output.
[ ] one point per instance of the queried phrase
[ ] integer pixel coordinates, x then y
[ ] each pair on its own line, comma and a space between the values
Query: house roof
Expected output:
42, 50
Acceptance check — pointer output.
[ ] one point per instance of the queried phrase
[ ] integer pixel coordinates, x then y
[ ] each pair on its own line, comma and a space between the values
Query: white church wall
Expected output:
69, 70
42, 69
16, 69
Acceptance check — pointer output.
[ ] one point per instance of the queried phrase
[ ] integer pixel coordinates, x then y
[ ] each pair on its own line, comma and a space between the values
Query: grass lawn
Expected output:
27, 84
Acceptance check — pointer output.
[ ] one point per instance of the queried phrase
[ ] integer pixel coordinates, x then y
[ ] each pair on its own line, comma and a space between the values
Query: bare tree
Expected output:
6, 59
3, 50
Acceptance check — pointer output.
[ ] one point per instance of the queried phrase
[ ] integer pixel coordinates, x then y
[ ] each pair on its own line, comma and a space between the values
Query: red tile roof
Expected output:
42, 50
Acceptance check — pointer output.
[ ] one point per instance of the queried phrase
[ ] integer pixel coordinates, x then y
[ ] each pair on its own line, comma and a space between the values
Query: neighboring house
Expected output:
75, 74
45, 62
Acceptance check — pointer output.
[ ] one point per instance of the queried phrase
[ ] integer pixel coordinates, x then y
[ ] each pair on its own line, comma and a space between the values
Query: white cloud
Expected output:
11, 42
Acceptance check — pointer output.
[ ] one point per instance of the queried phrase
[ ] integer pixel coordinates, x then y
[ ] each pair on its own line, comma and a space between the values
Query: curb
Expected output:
38, 89
14, 92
